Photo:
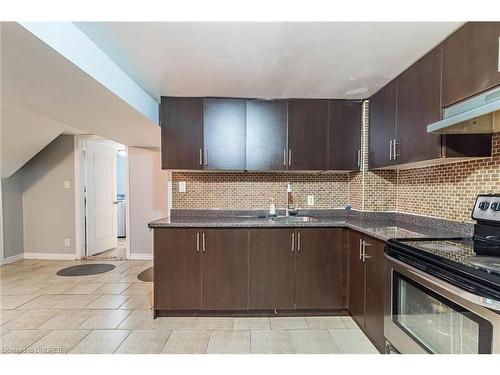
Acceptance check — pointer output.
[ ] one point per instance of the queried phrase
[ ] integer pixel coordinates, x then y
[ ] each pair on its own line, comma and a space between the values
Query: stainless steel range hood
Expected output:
477, 115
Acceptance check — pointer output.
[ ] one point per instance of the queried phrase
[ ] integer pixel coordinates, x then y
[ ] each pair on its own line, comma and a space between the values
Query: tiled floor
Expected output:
111, 313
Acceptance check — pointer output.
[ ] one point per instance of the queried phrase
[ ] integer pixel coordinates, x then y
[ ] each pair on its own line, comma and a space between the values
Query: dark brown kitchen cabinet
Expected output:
177, 269
272, 269
471, 61
224, 134
181, 121
225, 269
318, 268
344, 135
366, 286
383, 126
418, 104
307, 134
266, 135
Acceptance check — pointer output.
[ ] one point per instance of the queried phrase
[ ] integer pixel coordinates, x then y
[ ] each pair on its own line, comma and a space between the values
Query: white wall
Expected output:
147, 196
49, 208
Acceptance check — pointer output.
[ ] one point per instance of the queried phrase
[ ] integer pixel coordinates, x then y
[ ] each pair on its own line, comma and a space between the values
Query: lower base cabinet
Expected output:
366, 286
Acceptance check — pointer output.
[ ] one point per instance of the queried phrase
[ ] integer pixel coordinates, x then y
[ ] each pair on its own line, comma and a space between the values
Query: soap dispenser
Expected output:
272, 208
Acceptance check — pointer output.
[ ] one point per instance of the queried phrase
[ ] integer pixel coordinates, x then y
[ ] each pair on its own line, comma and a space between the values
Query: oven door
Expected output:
424, 314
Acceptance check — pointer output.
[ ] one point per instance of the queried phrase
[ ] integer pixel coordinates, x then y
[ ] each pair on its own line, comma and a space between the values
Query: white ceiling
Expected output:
269, 60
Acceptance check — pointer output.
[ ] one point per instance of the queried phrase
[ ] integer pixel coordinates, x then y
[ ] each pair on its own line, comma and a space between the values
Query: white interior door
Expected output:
101, 197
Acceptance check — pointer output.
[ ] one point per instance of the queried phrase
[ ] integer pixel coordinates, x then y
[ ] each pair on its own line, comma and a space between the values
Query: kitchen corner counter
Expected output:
380, 225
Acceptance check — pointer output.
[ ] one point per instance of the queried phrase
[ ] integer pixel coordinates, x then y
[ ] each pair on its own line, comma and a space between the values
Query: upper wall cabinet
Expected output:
344, 127
383, 126
266, 147
419, 104
307, 134
471, 61
224, 134
181, 133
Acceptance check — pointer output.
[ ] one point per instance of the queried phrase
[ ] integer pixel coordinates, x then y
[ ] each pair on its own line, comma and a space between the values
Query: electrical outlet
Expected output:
67, 184
310, 200
67, 242
182, 186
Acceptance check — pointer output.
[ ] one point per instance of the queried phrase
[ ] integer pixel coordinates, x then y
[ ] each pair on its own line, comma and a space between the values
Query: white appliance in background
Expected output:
121, 218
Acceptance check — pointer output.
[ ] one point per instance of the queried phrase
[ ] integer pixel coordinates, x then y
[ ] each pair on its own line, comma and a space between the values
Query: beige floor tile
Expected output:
214, 323
349, 322
57, 342
24, 289
84, 288
56, 288
8, 315
113, 288
139, 288
108, 301
229, 342
17, 341
12, 302
324, 322
68, 319
177, 323
76, 301
4, 330
352, 341
144, 342
187, 342
32, 319
101, 342
105, 319
138, 302
313, 342
293, 322
251, 323
44, 302
271, 342
141, 319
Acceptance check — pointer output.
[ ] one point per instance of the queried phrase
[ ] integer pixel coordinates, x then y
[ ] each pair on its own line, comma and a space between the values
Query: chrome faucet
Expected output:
288, 198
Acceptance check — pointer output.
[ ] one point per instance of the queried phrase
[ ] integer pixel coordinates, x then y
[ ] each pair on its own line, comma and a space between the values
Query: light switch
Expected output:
67, 184
182, 186
310, 200
67, 242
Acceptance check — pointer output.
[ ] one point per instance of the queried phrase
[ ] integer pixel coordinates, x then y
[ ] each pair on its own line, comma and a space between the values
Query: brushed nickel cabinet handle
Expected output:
289, 157
284, 157
394, 154
206, 157
293, 242
359, 158
298, 242
203, 242
360, 249
201, 157
365, 257
390, 149
198, 242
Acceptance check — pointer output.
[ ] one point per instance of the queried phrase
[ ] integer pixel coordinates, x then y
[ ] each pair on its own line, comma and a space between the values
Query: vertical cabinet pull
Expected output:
359, 158
394, 154
284, 157
390, 149
298, 242
293, 242
365, 256
206, 157
289, 157
360, 249
198, 242
201, 157
203, 242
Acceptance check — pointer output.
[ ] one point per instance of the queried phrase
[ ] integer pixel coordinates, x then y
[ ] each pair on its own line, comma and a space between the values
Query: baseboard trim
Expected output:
11, 259
140, 256
48, 256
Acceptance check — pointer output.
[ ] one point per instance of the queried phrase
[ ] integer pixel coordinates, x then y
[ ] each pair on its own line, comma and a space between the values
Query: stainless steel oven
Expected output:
425, 314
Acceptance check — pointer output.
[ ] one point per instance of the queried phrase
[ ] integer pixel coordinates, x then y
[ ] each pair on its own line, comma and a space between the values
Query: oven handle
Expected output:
470, 297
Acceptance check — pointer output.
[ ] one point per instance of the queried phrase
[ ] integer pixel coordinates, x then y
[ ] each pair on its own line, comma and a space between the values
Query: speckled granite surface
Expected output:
381, 225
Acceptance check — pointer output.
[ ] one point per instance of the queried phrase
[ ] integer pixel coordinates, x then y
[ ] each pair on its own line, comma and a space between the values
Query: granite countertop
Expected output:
381, 225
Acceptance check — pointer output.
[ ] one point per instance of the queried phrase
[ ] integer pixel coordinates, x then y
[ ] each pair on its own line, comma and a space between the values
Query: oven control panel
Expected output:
487, 207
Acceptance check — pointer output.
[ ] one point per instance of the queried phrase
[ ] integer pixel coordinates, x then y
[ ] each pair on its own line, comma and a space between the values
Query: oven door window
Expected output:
436, 323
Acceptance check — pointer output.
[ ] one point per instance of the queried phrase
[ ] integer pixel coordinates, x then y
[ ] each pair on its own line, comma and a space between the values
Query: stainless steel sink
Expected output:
291, 219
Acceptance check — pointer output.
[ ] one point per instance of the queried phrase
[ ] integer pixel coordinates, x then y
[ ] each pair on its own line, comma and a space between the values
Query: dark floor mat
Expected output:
85, 269
146, 275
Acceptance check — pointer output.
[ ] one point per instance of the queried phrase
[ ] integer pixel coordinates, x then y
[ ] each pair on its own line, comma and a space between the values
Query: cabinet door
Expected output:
224, 128
382, 126
470, 61
344, 127
307, 134
266, 135
375, 283
181, 133
272, 269
356, 294
418, 105
225, 269
318, 268
177, 269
